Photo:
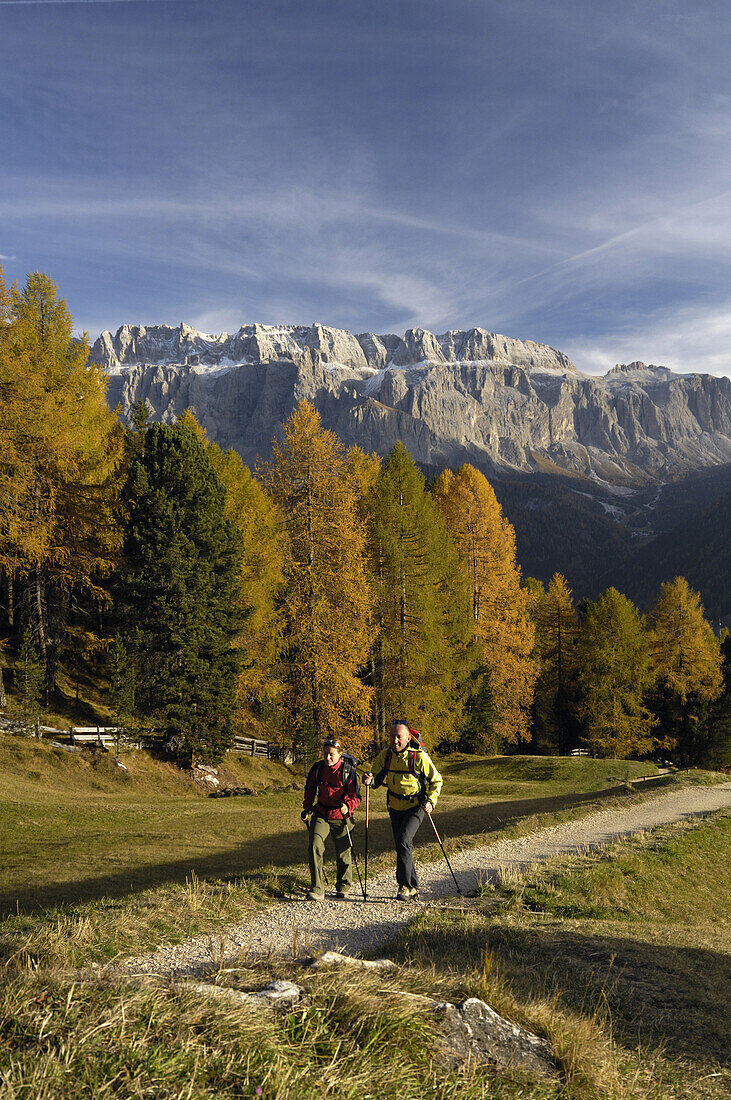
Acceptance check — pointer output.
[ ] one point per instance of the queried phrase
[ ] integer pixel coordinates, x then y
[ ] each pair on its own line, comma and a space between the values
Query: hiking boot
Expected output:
414, 896
341, 892
403, 893
312, 895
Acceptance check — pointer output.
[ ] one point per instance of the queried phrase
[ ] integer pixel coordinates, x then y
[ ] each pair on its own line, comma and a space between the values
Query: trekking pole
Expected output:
365, 868
428, 814
355, 861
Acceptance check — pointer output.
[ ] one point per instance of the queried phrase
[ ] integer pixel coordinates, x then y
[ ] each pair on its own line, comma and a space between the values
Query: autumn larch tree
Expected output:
485, 543
60, 464
687, 660
327, 603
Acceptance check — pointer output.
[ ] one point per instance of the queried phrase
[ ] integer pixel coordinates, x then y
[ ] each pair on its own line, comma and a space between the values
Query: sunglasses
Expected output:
399, 722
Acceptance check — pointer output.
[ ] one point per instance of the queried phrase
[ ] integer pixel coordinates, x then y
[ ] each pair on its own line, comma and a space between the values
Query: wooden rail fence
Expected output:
106, 737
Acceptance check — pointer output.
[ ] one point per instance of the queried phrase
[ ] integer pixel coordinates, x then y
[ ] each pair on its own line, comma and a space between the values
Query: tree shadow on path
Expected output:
280, 850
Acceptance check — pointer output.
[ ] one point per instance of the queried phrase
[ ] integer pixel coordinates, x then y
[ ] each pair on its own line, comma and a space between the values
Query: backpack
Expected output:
348, 772
416, 744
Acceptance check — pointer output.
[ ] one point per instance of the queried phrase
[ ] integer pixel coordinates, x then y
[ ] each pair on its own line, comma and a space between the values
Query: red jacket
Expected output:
327, 795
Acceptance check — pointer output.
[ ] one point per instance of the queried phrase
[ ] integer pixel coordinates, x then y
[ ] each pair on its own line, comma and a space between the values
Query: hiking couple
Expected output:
332, 796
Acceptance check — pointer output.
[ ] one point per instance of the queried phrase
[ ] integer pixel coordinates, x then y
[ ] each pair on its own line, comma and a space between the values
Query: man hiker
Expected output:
332, 796
412, 785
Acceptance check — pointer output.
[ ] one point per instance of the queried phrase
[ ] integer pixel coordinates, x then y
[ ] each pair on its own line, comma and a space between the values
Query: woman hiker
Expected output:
412, 785
332, 797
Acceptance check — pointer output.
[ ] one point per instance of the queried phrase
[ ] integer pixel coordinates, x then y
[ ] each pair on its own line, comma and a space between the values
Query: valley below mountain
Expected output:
588, 468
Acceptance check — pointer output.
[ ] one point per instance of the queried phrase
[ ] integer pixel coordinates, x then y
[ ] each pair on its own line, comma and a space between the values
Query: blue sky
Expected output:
556, 171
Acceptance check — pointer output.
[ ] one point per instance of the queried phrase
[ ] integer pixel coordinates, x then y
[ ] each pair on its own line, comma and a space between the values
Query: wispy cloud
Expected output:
78, 3
688, 340
557, 172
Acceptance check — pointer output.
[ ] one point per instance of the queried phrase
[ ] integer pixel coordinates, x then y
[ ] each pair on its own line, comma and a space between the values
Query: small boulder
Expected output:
472, 1031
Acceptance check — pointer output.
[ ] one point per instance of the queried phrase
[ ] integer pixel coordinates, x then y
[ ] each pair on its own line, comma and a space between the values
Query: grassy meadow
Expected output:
75, 827
620, 958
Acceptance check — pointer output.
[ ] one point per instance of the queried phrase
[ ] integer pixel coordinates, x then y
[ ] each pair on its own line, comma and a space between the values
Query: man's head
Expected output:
400, 734
332, 751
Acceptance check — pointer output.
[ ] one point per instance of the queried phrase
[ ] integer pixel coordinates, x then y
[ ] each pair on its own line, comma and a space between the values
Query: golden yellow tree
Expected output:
60, 459
485, 542
687, 661
687, 654
327, 603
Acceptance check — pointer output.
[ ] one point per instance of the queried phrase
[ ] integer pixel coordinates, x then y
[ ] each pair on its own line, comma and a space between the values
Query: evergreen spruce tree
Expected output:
615, 673
178, 597
30, 678
423, 655
122, 691
261, 525
714, 725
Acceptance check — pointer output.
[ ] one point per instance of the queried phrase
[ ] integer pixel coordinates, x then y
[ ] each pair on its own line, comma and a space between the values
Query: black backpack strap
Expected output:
419, 776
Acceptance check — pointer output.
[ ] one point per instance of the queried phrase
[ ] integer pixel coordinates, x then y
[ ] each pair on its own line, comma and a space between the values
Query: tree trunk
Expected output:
561, 746
11, 599
3, 700
316, 702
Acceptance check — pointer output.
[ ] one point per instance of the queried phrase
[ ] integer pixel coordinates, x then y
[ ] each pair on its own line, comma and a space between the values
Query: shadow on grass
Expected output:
279, 850
675, 997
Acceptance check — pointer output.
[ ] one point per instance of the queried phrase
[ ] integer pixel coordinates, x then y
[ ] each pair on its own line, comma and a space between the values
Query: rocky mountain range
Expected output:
608, 453
473, 396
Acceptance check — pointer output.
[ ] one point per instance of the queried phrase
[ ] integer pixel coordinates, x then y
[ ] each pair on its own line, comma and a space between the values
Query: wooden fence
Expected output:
106, 737
251, 746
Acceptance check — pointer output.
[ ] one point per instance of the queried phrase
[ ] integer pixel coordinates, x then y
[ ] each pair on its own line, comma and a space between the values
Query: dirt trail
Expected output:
295, 927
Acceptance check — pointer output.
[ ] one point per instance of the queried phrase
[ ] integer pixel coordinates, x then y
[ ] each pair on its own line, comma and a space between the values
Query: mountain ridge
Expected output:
461, 396
134, 345
588, 468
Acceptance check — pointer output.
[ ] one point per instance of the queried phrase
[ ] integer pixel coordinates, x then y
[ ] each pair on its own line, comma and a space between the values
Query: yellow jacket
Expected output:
404, 788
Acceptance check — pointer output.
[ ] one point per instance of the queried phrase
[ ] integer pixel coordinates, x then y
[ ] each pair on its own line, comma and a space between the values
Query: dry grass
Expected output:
629, 1000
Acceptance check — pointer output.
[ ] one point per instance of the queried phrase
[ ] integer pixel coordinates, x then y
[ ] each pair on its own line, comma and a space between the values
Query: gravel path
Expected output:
293, 928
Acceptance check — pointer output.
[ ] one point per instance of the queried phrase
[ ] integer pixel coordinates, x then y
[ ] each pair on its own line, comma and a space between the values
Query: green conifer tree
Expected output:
30, 684
179, 598
423, 654
714, 724
614, 661
122, 691
555, 650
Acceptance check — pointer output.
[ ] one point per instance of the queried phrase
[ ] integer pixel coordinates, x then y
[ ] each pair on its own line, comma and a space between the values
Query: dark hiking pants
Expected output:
404, 824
